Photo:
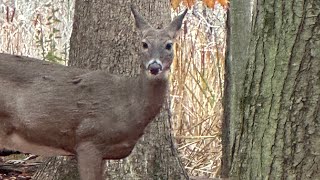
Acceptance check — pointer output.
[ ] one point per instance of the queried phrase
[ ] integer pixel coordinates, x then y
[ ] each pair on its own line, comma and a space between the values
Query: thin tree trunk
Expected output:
272, 107
103, 38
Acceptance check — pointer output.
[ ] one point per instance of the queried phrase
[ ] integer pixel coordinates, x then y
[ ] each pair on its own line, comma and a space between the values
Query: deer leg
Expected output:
89, 162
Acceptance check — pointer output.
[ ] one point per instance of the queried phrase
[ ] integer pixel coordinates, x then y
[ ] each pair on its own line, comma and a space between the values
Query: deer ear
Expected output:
141, 24
176, 24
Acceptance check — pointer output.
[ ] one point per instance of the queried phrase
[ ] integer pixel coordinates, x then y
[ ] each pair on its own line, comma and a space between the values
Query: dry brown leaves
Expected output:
190, 3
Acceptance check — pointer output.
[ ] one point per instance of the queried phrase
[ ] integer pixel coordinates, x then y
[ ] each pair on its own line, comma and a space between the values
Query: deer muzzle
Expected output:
154, 67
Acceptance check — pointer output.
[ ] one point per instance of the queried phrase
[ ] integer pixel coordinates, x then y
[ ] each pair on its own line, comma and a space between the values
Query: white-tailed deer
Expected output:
49, 109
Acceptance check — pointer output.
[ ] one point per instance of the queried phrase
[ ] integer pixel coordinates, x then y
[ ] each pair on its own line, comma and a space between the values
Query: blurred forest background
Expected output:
42, 29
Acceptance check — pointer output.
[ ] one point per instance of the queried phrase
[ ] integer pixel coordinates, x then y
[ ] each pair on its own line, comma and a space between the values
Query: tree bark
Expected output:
103, 38
57, 168
272, 94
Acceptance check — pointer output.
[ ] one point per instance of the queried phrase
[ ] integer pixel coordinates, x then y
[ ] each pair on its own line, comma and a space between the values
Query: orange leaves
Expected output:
223, 3
190, 3
175, 4
211, 3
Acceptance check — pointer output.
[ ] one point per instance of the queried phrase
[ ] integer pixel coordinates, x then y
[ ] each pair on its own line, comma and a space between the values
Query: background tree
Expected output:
272, 95
103, 38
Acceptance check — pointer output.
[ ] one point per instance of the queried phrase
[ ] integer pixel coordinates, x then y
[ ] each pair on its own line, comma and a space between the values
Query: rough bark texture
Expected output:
58, 168
104, 38
272, 106
238, 18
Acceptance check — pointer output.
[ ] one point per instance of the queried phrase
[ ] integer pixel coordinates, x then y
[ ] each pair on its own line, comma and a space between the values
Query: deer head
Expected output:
157, 45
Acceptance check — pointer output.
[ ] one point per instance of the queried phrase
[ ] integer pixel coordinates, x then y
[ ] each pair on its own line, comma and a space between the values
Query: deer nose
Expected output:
155, 67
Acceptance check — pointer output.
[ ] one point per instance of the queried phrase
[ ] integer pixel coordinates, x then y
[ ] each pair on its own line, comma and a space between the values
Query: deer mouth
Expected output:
154, 67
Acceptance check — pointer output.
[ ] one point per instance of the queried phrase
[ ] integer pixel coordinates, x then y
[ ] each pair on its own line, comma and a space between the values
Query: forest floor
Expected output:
14, 168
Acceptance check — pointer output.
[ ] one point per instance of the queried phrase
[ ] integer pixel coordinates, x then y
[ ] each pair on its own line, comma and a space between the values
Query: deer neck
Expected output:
153, 91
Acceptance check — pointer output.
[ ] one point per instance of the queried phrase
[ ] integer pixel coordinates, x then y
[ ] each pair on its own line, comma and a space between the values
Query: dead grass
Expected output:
41, 29
196, 91
36, 28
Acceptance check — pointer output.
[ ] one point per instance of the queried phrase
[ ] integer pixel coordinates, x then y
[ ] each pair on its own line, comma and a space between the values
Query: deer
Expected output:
50, 109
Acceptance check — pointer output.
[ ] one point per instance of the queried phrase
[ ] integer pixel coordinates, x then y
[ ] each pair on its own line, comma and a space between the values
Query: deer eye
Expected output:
169, 46
144, 45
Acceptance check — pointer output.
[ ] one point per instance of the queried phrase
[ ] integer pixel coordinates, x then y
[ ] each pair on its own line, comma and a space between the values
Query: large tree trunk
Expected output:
272, 105
103, 38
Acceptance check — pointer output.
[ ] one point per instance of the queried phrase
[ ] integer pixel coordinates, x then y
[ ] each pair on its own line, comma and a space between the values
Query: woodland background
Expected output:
42, 29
